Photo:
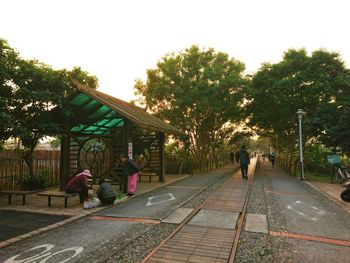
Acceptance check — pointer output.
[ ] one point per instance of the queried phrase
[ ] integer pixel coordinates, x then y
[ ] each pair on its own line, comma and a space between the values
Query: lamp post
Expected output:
300, 114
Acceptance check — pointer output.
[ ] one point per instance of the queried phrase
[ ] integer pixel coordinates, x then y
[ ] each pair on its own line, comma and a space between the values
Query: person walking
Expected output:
232, 157
272, 159
242, 157
131, 172
105, 192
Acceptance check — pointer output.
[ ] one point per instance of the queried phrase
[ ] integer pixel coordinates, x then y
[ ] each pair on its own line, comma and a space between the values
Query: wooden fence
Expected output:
13, 168
47, 162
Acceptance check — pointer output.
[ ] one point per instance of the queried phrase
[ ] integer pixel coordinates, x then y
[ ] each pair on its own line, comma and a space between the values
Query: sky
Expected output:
117, 40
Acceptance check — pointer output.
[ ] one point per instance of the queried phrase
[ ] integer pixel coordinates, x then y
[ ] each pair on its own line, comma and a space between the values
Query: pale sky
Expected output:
119, 40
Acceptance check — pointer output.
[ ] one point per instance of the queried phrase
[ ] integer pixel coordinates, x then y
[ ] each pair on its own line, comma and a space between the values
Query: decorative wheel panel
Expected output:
95, 155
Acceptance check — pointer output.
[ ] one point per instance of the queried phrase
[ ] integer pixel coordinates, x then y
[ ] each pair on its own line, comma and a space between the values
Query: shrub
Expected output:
34, 182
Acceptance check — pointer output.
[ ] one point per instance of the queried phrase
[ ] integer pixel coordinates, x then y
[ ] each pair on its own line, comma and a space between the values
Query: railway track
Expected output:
210, 233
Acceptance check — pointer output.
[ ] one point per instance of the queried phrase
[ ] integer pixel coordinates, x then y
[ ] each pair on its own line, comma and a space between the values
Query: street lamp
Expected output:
300, 114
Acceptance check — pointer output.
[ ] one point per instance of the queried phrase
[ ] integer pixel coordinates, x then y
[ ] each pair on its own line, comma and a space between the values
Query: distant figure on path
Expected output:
272, 159
242, 157
232, 157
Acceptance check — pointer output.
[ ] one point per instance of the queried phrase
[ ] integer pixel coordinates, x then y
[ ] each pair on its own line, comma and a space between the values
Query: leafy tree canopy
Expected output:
29, 91
196, 90
318, 84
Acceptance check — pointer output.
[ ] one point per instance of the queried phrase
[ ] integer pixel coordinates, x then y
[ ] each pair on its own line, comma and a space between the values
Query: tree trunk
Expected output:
28, 159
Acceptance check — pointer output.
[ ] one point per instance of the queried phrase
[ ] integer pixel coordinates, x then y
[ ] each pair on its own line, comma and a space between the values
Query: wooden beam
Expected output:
161, 156
64, 158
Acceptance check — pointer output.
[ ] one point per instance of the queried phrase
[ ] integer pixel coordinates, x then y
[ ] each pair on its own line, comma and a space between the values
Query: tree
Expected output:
35, 93
329, 120
9, 65
83, 77
30, 91
316, 84
197, 91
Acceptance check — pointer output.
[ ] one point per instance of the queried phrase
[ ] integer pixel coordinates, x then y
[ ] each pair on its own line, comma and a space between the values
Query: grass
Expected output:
317, 177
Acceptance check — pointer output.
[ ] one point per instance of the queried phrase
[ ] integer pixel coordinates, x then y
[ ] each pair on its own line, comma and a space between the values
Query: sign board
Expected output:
333, 159
130, 150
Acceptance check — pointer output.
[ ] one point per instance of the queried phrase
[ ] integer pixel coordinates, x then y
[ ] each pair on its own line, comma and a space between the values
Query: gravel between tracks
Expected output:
139, 248
255, 247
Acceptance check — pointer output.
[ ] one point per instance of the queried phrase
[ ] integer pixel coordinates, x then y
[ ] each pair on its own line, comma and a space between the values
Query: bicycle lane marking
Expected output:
43, 256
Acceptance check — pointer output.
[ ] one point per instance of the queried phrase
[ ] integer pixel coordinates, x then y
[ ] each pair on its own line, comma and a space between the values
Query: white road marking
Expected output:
305, 210
163, 198
44, 255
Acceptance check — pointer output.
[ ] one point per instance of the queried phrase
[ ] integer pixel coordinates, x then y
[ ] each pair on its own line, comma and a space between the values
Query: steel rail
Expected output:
241, 218
185, 221
197, 209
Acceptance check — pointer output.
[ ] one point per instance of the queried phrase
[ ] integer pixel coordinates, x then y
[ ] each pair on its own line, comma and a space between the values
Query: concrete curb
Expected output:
11, 241
330, 197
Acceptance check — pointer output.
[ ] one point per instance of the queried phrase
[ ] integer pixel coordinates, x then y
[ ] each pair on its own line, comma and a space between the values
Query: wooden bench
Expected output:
60, 194
112, 181
16, 192
149, 175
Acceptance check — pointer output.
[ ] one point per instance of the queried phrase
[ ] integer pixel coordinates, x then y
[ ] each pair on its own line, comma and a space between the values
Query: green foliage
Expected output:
198, 91
55, 143
30, 90
9, 63
175, 154
35, 182
318, 84
84, 77
316, 153
318, 177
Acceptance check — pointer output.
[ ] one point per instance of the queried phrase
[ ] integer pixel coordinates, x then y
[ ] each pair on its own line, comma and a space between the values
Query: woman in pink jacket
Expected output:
78, 184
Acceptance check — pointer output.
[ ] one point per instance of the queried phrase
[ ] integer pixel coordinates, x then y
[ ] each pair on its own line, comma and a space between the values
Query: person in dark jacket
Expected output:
242, 157
105, 192
78, 184
272, 159
131, 172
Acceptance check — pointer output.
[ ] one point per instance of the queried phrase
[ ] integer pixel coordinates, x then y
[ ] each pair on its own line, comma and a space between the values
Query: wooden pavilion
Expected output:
102, 127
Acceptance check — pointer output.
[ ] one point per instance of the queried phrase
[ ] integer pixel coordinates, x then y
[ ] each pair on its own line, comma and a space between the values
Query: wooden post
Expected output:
64, 160
126, 138
161, 157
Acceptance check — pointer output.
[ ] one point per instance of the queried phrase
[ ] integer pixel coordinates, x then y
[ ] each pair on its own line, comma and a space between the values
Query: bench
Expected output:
149, 175
16, 192
64, 195
111, 181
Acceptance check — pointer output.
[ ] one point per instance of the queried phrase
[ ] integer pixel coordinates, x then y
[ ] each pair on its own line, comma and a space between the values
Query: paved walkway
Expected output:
331, 191
208, 234
307, 221
74, 211
38, 204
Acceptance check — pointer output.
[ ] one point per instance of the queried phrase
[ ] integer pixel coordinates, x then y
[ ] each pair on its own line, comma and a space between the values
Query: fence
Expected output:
13, 168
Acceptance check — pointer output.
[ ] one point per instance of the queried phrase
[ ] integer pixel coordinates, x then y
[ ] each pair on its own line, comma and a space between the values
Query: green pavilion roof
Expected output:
97, 113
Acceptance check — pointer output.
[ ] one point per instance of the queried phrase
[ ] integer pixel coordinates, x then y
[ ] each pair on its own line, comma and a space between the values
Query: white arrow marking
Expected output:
168, 197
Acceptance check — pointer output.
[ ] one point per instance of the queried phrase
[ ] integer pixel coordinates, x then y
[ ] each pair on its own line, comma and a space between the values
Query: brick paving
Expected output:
311, 238
208, 238
195, 234
197, 244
